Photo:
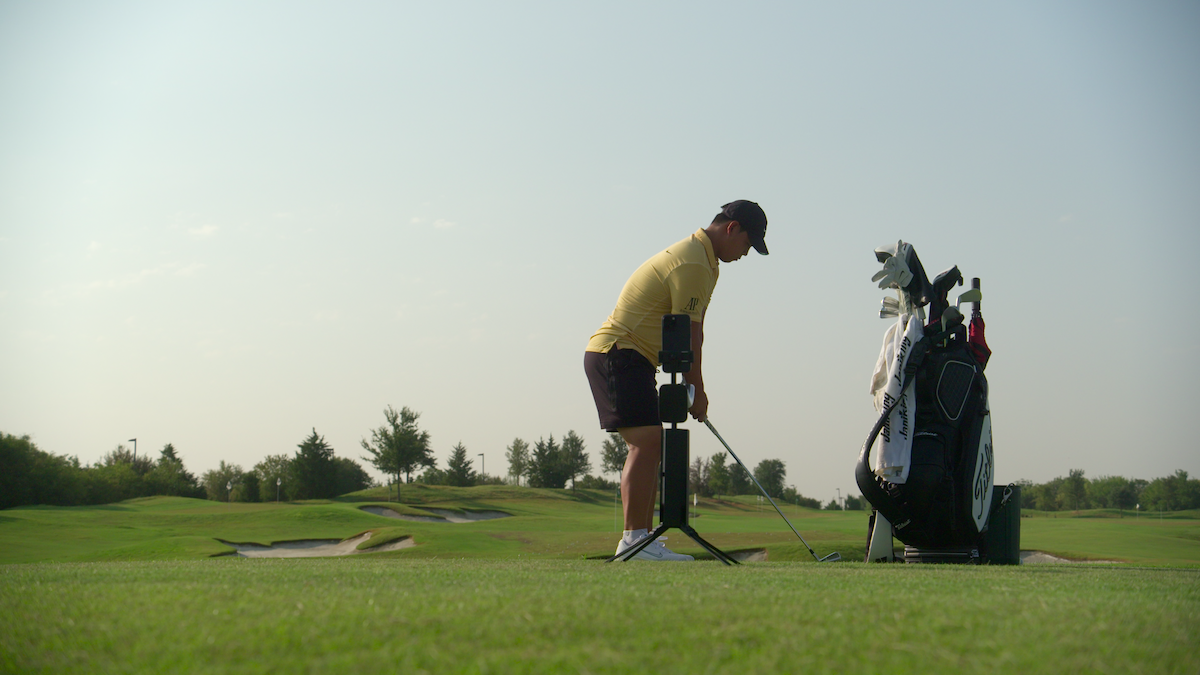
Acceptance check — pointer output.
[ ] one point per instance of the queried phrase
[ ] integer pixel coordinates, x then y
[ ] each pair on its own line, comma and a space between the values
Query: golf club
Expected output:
832, 557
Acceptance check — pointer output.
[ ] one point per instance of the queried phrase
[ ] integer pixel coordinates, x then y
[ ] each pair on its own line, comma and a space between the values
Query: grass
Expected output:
384, 614
145, 586
544, 524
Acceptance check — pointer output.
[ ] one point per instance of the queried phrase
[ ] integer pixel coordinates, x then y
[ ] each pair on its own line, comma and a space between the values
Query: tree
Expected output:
1112, 492
123, 455
399, 447
833, 505
546, 466
1172, 493
613, 454
698, 478
275, 477
247, 489
1044, 496
1073, 492
432, 476
458, 468
518, 458
170, 478
718, 475
792, 496
118, 476
771, 474
739, 481
350, 476
590, 482
575, 459
33, 476
216, 481
855, 503
313, 469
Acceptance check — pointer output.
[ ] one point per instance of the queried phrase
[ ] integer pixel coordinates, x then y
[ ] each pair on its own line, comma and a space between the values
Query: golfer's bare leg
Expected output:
639, 480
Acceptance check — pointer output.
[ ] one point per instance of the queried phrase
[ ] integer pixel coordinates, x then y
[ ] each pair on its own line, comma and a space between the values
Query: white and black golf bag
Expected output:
927, 466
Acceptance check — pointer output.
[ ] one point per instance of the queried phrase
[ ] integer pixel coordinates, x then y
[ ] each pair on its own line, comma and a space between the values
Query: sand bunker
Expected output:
315, 548
439, 515
751, 555
1038, 557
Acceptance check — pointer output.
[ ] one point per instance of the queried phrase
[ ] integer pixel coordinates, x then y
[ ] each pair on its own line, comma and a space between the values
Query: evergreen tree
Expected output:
575, 459
314, 469
546, 465
458, 468
170, 478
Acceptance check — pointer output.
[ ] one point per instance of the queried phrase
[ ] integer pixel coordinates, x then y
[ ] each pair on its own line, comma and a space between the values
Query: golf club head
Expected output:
889, 308
832, 557
973, 295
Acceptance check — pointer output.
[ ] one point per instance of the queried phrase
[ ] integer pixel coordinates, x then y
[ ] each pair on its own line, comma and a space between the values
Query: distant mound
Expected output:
439, 515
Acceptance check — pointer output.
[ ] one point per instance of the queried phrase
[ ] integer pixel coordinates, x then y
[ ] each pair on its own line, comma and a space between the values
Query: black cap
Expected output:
752, 219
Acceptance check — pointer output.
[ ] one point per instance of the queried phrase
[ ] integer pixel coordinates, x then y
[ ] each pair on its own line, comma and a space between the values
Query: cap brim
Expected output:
760, 246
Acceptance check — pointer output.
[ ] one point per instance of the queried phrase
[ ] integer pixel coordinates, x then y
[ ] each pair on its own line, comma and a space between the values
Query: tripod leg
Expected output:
713, 550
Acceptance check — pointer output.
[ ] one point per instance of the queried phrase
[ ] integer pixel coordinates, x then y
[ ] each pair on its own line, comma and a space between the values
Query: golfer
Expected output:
622, 357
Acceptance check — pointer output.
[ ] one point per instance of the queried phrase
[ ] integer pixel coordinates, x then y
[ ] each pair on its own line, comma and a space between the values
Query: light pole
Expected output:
482, 466
839, 490
278, 482
134, 441
229, 492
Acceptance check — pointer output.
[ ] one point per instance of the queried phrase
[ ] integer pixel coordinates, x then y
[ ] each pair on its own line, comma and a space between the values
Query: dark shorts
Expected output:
624, 387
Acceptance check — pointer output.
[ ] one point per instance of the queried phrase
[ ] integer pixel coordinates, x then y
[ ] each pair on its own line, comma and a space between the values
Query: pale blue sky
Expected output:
223, 224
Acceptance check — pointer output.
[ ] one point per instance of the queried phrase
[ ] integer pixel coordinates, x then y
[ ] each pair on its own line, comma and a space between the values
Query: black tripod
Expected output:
676, 357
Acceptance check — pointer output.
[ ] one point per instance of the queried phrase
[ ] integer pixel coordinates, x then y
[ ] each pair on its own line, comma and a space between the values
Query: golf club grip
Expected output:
975, 285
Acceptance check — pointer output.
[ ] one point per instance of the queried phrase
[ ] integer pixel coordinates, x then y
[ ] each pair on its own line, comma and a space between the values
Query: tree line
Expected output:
399, 449
1075, 492
34, 476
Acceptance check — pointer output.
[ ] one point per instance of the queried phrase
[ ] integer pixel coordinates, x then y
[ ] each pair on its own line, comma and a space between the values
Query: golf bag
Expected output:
934, 492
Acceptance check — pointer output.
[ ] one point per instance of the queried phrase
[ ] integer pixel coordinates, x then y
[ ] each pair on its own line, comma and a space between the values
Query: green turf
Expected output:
378, 614
544, 524
147, 586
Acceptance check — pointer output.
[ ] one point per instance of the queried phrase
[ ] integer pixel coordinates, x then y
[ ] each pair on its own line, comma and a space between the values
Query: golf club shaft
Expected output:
760, 488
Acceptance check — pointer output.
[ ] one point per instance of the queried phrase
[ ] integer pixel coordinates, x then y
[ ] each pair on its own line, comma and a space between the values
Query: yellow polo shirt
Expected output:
680, 280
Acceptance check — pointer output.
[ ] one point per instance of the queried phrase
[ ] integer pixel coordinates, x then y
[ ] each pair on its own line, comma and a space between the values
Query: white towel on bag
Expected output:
892, 451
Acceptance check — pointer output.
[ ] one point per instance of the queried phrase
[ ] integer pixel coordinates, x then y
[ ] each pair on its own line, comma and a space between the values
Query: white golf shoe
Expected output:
655, 550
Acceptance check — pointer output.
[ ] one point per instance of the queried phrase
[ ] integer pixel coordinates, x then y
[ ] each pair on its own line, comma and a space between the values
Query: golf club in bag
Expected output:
832, 557
927, 467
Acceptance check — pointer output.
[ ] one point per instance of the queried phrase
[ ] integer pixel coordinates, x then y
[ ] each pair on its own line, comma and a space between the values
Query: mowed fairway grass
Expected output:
135, 587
